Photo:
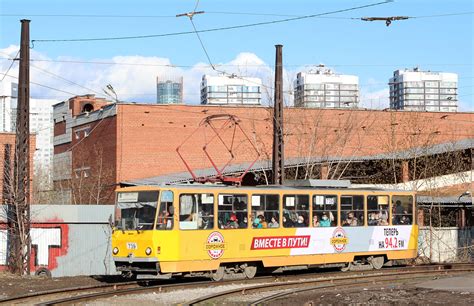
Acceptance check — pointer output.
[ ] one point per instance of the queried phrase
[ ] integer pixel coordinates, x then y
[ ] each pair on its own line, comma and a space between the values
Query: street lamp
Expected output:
109, 90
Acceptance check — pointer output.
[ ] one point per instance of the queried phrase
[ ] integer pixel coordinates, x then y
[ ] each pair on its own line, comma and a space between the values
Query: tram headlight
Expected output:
115, 250
148, 251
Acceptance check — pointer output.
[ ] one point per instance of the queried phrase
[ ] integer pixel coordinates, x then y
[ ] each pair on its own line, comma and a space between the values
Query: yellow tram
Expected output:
216, 229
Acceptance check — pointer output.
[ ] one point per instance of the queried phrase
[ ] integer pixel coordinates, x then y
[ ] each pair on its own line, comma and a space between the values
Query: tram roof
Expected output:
335, 187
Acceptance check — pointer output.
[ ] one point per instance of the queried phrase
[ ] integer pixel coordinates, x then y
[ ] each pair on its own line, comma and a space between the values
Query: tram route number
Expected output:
132, 246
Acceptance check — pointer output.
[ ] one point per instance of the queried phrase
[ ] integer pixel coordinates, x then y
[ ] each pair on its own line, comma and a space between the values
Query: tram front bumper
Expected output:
137, 264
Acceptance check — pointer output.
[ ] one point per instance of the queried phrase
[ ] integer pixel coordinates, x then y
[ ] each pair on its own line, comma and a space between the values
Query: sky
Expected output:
341, 41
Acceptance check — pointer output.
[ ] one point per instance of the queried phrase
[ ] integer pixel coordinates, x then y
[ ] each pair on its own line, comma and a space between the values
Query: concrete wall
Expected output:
68, 240
446, 244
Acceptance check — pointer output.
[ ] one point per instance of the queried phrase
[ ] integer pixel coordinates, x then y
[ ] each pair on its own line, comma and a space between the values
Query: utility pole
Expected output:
19, 253
278, 143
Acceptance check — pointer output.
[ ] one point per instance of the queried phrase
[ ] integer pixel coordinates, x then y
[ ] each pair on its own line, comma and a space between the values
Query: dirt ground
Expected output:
419, 293
13, 285
407, 293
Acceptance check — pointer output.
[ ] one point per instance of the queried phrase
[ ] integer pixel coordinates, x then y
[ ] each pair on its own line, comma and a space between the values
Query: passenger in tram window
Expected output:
316, 221
244, 222
383, 221
404, 220
350, 220
242, 206
262, 221
233, 222
300, 222
398, 208
326, 220
287, 221
273, 222
373, 218
256, 223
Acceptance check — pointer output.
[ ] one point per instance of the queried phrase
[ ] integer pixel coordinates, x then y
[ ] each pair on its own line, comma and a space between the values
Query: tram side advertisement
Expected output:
309, 241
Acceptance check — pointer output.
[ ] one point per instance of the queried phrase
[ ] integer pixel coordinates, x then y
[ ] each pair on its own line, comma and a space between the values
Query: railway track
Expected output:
279, 290
285, 284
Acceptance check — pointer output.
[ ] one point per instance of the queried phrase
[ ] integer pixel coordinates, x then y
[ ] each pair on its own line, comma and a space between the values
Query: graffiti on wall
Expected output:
48, 242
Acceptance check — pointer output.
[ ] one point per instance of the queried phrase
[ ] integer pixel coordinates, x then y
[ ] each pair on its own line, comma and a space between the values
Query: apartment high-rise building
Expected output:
424, 91
231, 90
8, 98
169, 91
41, 122
322, 88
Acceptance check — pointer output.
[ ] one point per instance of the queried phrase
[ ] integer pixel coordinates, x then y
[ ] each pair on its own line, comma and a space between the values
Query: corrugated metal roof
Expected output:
444, 200
292, 162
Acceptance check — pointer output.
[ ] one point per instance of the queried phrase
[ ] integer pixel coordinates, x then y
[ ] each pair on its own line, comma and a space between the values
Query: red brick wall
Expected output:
97, 152
77, 103
148, 135
9, 138
59, 128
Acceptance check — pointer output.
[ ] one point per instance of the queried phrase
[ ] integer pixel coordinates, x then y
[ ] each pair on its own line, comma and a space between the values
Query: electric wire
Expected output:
64, 79
217, 13
237, 65
11, 65
202, 44
249, 25
42, 85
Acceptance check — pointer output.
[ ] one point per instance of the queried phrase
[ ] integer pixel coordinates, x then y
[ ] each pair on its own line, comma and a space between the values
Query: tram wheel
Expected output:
250, 271
377, 262
218, 274
347, 267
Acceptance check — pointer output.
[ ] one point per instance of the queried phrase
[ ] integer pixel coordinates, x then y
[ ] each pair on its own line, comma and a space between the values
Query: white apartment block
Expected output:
41, 122
8, 96
322, 88
231, 90
424, 91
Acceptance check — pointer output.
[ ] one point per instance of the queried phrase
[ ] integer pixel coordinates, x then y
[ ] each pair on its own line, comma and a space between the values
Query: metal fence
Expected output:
68, 240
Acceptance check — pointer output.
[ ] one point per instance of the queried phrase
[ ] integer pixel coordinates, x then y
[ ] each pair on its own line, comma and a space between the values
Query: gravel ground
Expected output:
452, 290
167, 298
13, 285
440, 291
381, 295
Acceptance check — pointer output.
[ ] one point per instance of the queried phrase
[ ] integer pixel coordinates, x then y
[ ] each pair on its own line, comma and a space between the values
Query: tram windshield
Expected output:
136, 210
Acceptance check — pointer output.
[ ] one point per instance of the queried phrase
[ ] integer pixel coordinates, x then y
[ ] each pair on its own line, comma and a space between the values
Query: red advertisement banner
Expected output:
280, 242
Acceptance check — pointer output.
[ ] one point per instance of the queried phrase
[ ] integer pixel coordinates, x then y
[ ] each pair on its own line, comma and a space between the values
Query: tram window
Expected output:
166, 211
136, 210
377, 210
324, 211
265, 211
352, 210
296, 210
232, 211
402, 210
196, 211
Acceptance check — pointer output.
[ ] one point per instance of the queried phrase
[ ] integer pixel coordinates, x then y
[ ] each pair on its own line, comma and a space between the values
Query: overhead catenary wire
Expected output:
99, 16
249, 25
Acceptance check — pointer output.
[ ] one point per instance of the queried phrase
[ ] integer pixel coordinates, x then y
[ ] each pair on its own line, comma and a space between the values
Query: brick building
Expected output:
7, 143
99, 144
